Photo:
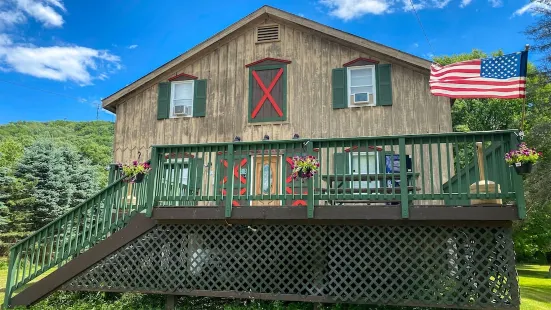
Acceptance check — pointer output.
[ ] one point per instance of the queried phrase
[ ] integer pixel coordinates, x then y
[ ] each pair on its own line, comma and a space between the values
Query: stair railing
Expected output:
73, 233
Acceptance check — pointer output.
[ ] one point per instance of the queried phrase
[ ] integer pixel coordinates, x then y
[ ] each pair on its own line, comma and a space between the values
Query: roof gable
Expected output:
110, 102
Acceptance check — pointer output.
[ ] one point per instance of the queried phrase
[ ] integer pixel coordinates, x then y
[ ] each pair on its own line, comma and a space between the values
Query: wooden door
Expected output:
267, 180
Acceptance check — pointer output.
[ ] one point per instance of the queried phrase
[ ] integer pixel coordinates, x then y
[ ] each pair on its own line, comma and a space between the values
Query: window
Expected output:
181, 102
364, 163
361, 88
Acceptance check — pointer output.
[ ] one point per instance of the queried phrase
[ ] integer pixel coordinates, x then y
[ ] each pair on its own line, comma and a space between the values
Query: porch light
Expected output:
237, 139
266, 138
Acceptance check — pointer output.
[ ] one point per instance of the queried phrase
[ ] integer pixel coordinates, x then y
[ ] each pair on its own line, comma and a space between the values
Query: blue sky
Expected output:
59, 58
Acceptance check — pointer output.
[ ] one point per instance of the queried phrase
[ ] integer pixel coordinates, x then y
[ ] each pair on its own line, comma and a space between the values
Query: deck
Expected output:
415, 190
375, 172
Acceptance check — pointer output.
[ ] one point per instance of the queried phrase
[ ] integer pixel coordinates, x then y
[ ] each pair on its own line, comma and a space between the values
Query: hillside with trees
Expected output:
46, 169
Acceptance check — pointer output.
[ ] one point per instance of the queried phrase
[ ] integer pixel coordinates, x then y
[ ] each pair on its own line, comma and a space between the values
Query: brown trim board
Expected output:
281, 297
417, 213
41, 289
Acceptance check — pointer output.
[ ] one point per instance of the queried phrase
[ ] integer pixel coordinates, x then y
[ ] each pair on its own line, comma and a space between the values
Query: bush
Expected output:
7, 240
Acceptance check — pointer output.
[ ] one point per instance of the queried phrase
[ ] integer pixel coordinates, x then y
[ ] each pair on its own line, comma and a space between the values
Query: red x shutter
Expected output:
267, 93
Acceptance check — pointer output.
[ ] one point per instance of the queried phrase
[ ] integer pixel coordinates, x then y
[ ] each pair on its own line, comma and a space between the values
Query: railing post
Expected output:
310, 195
229, 184
112, 173
403, 178
518, 185
151, 182
10, 280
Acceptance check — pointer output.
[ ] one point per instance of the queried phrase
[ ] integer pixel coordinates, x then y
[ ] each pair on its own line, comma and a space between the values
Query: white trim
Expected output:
367, 154
172, 92
374, 85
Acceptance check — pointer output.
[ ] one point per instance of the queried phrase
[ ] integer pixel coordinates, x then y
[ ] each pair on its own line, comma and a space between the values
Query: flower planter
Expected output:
305, 174
139, 178
523, 168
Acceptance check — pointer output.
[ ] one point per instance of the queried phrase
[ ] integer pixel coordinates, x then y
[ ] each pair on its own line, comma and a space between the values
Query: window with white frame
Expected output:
364, 163
181, 101
361, 86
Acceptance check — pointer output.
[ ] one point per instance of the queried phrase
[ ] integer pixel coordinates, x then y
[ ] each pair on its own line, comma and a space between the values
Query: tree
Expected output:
540, 32
10, 152
62, 176
532, 235
14, 197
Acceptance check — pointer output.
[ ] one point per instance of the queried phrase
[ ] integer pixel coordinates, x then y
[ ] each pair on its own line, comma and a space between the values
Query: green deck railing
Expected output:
404, 170
427, 169
73, 233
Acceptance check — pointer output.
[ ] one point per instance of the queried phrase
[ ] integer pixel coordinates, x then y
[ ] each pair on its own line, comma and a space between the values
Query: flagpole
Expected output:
526, 47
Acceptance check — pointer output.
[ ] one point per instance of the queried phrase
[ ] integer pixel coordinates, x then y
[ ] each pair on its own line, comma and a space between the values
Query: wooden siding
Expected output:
309, 110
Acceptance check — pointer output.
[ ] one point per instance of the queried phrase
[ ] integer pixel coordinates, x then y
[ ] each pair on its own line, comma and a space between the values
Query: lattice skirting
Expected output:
445, 266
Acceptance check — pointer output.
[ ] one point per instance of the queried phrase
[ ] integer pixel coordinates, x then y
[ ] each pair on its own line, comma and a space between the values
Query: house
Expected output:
401, 211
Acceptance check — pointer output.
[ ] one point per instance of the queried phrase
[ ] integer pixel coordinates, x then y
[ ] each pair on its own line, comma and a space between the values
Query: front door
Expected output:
267, 180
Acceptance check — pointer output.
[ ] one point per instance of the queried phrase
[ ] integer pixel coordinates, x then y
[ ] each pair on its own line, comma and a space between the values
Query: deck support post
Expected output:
518, 185
404, 201
170, 302
229, 184
151, 182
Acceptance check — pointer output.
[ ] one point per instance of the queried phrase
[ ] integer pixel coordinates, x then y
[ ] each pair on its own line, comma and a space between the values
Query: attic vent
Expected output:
267, 33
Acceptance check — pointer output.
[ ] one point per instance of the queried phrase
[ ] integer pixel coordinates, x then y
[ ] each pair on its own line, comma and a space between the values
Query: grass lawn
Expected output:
535, 286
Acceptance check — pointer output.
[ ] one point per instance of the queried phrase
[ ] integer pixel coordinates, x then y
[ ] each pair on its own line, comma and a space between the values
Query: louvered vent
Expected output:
267, 33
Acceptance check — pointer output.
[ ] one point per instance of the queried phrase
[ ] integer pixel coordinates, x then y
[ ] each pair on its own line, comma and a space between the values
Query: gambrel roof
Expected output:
110, 102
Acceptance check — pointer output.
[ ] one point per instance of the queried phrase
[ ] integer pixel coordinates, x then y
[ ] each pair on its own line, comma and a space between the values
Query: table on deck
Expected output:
336, 183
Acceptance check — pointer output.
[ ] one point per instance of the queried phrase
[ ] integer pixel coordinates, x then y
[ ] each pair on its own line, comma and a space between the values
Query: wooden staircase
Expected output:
69, 243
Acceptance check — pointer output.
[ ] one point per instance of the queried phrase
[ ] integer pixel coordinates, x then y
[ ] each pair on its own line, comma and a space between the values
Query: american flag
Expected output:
497, 77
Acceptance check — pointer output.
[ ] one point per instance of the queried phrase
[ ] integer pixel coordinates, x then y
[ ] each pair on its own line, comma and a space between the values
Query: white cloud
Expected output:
350, 9
44, 11
133, 46
61, 63
532, 8
495, 3
424, 4
464, 3
10, 18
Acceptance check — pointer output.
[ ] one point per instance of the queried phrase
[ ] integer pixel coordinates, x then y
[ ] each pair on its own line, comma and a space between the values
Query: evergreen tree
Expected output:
63, 179
14, 197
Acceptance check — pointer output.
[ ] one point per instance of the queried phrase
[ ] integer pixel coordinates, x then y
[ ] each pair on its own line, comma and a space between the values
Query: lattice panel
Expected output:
408, 265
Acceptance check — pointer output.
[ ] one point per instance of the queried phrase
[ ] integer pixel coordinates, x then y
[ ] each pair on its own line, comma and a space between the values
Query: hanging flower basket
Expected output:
304, 167
135, 172
523, 158
523, 168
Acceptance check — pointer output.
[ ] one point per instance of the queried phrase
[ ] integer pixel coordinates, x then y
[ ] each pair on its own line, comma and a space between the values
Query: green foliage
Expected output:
93, 140
10, 152
63, 179
113, 301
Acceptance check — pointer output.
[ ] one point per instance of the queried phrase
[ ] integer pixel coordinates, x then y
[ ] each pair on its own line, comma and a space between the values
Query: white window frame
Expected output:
351, 103
354, 157
173, 91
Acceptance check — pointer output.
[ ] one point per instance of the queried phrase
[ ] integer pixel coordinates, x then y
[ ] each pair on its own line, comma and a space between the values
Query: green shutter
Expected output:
342, 166
339, 88
163, 101
384, 84
195, 179
200, 98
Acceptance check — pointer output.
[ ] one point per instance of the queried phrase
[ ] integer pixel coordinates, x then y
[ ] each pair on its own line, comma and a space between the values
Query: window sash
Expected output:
181, 98
363, 87
368, 164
